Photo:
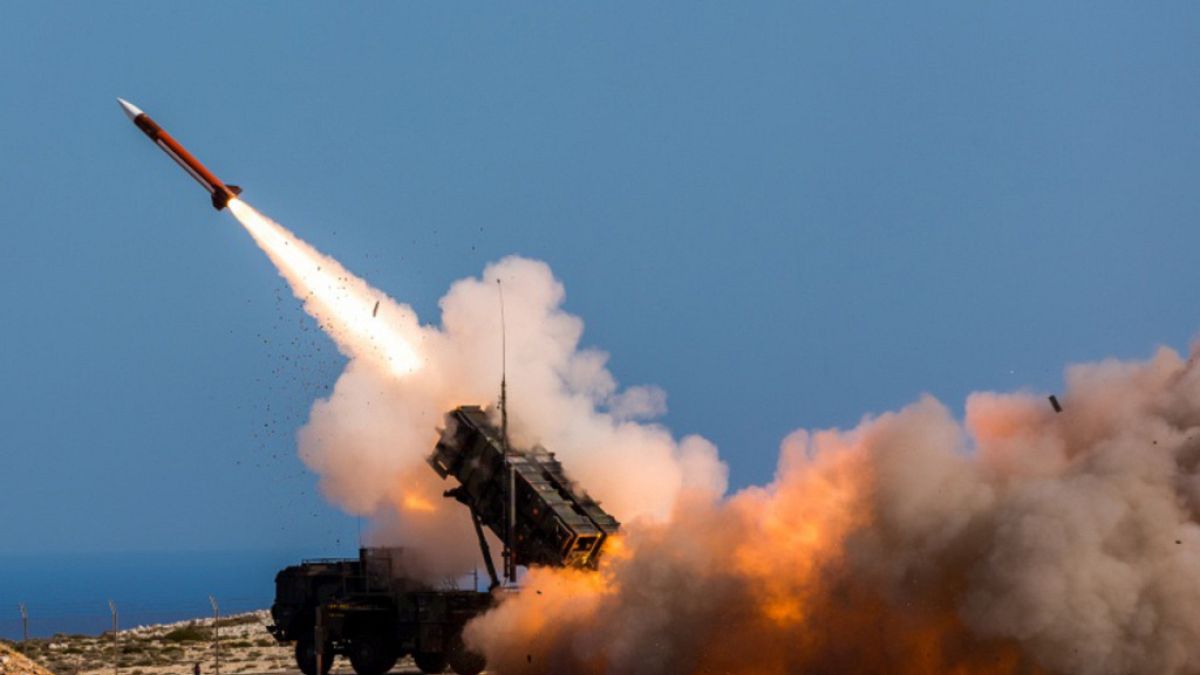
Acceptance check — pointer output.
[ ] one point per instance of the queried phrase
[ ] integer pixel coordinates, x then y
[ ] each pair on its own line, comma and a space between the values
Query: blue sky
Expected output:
785, 215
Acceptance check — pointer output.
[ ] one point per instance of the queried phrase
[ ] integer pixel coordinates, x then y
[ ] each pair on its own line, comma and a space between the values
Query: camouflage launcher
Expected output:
555, 524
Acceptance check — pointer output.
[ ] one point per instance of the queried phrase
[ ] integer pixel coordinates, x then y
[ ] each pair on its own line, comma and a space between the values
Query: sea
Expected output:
70, 593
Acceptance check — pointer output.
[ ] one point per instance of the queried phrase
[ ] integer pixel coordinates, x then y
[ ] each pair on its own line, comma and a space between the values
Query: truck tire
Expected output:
306, 658
463, 661
372, 656
430, 662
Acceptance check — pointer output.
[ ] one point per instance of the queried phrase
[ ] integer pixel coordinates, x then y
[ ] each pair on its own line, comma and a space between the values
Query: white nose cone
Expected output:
131, 110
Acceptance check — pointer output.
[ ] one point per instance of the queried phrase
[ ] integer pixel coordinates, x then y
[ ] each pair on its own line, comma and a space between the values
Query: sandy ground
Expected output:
245, 649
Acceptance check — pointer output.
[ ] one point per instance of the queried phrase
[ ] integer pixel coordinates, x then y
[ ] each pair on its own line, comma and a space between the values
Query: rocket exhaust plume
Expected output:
1018, 540
344, 305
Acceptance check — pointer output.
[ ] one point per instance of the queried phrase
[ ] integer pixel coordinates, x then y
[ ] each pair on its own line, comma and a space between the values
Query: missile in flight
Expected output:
221, 193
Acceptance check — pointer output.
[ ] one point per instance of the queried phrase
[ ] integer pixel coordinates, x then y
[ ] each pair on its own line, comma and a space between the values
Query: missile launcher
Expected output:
555, 523
372, 612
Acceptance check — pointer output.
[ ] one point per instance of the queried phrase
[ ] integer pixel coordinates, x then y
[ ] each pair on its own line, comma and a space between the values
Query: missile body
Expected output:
221, 193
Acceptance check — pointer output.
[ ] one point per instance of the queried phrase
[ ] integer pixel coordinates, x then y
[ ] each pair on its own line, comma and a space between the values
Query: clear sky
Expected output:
786, 215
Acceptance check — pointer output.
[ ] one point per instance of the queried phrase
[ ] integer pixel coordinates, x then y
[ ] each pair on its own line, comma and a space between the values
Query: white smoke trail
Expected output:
343, 304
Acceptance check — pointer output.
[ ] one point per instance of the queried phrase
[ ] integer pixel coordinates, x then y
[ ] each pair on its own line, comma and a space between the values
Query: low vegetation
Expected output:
188, 633
244, 645
170, 649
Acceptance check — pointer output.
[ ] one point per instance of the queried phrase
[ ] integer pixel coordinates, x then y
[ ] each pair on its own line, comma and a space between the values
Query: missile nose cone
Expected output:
131, 110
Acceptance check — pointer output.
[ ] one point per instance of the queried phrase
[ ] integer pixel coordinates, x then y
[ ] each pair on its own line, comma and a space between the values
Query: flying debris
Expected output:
376, 310
1055, 404
221, 193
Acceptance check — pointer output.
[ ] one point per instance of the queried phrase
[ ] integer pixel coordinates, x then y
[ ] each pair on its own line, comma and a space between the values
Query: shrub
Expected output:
237, 620
188, 633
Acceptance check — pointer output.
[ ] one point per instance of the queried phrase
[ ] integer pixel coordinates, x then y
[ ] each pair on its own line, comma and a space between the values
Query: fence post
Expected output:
112, 606
216, 635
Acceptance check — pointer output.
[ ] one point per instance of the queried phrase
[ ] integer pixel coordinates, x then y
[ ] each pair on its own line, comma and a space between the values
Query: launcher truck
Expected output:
369, 610
554, 523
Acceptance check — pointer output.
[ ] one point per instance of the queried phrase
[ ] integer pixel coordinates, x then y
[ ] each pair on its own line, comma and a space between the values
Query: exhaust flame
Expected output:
343, 304
417, 502
1019, 540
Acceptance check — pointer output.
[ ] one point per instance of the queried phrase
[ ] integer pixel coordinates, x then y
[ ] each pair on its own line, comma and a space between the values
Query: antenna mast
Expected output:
503, 373
510, 564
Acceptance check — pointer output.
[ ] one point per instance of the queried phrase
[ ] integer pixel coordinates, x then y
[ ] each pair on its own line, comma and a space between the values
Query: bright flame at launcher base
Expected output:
415, 502
343, 305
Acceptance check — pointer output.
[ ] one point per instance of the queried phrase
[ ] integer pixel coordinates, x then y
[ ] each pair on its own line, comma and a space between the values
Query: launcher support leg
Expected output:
487, 552
460, 494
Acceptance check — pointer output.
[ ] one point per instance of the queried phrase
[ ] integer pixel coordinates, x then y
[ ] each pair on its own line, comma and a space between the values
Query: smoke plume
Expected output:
369, 439
1016, 540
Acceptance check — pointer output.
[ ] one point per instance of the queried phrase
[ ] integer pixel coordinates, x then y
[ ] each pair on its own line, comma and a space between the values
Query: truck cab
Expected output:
369, 611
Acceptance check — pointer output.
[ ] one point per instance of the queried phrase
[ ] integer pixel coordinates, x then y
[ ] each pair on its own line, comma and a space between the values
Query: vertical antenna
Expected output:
503, 373
510, 565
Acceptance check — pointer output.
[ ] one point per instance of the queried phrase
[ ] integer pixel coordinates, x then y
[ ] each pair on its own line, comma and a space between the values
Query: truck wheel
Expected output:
306, 658
430, 662
466, 662
371, 656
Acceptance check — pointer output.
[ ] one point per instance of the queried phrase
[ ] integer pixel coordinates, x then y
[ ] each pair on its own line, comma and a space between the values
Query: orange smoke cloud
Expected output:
755, 583
1022, 541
